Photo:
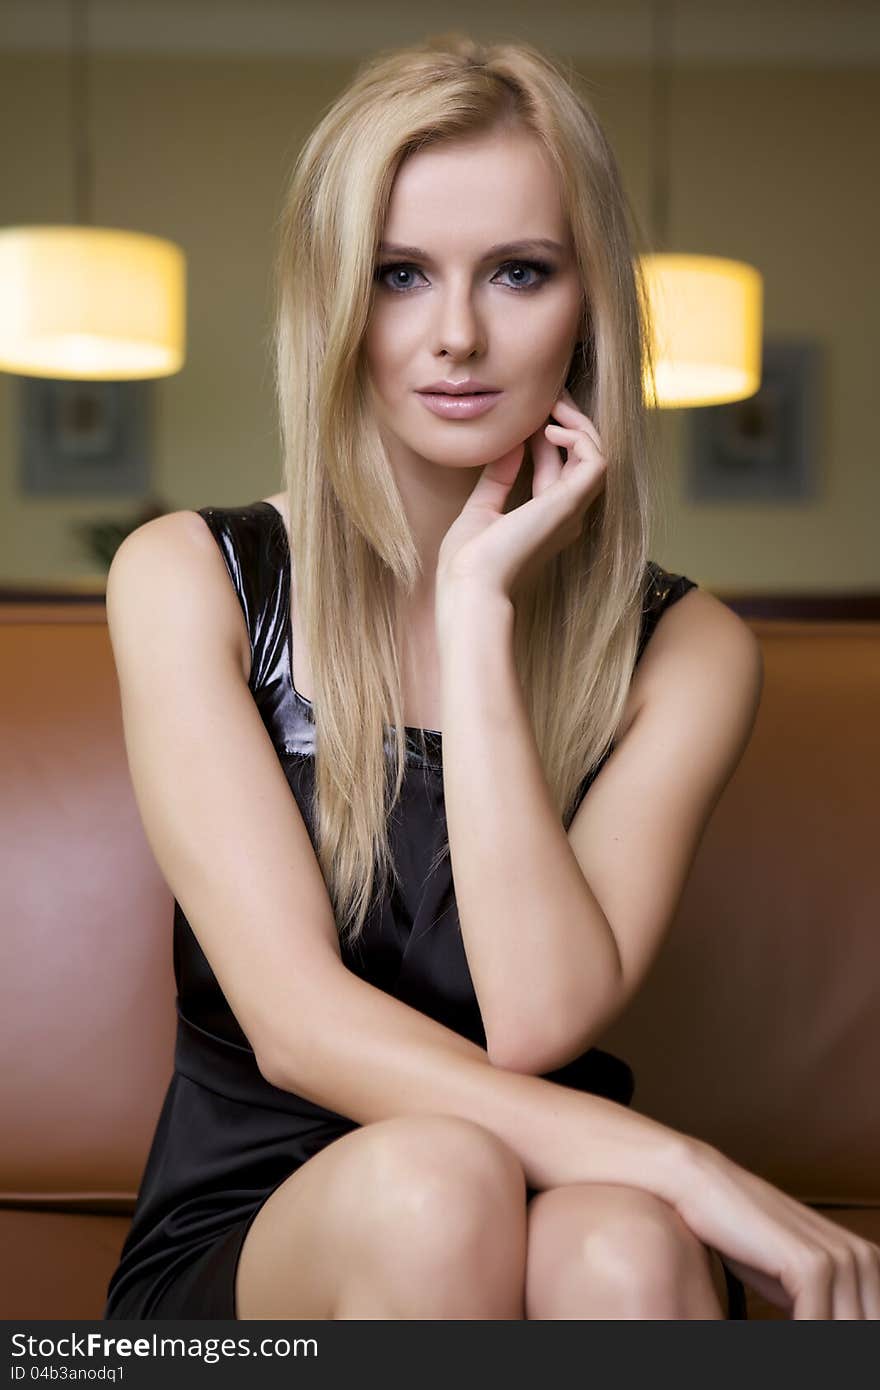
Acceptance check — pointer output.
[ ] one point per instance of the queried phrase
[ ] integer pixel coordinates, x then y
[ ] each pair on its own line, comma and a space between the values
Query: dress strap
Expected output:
662, 589
252, 542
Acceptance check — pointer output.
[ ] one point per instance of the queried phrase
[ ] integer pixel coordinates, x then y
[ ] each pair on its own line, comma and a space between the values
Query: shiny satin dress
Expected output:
225, 1137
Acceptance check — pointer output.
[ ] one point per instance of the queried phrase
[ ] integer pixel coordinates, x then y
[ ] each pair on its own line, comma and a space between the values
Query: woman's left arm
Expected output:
561, 928
534, 934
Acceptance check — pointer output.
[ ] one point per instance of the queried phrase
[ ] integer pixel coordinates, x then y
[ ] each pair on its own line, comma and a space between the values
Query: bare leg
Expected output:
598, 1251
410, 1217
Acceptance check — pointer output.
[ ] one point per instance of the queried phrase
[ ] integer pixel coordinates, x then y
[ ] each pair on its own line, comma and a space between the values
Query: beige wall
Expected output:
773, 165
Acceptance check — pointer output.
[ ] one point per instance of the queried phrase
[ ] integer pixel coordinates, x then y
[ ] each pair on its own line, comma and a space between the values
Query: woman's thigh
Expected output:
406, 1187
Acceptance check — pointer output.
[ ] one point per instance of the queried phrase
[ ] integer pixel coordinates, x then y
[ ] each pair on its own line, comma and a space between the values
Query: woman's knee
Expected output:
442, 1232
623, 1243
442, 1178
382, 1208
643, 1248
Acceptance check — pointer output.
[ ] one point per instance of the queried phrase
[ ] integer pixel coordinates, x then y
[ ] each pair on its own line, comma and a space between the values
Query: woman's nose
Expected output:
459, 328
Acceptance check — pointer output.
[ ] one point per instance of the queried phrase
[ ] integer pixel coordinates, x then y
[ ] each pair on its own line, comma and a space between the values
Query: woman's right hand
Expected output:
797, 1259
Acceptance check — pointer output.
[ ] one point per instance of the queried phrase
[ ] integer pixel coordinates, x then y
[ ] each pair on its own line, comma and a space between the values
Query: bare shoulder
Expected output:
700, 643
174, 557
183, 532
697, 633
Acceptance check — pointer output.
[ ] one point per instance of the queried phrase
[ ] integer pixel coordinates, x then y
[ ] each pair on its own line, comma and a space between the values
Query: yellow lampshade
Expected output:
707, 317
91, 303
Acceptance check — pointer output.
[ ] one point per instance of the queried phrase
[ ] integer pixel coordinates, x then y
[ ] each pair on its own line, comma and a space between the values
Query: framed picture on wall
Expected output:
84, 438
765, 448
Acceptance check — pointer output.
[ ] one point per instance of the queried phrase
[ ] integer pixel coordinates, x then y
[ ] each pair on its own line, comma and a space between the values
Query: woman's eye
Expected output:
384, 270
537, 269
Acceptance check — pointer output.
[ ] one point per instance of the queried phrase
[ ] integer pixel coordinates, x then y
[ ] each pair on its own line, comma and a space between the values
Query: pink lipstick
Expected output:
460, 407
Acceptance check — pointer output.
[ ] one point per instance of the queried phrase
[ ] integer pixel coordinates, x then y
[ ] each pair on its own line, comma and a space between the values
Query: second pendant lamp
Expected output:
706, 312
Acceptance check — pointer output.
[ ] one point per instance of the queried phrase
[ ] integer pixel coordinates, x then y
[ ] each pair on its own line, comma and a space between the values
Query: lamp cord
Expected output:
83, 211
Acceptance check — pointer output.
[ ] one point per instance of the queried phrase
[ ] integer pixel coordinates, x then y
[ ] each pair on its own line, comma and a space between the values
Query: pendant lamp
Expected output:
83, 302
706, 311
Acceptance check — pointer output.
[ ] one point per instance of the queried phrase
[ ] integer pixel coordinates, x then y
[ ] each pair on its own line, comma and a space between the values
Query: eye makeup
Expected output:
542, 269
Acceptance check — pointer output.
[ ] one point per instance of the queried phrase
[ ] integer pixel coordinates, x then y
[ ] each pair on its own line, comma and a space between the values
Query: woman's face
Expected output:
460, 309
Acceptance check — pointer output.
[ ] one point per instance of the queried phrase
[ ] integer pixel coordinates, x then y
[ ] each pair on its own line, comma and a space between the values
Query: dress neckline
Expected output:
433, 737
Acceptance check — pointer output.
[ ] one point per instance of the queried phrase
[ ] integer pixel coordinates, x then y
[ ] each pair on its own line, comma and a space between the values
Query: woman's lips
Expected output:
460, 407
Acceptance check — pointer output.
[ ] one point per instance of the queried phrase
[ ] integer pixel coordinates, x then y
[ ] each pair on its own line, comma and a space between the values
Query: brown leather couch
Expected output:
758, 1028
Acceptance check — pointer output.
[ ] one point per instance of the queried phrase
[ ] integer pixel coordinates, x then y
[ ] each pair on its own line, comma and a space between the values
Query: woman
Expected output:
385, 1101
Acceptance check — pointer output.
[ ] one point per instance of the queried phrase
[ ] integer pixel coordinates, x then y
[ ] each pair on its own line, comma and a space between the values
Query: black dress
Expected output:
226, 1137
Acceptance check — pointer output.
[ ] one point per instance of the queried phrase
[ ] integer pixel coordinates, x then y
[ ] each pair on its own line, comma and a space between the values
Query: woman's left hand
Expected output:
492, 550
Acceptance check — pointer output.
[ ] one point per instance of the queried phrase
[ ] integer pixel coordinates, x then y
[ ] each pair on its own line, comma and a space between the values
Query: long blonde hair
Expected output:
577, 625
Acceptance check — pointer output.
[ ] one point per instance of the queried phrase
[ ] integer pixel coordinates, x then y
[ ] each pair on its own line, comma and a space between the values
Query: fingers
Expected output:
547, 462
495, 481
840, 1285
813, 1303
576, 433
868, 1260
849, 1267
567, 413
581, 450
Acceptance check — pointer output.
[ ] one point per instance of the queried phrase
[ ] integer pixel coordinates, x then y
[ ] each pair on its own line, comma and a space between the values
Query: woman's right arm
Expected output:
230, 840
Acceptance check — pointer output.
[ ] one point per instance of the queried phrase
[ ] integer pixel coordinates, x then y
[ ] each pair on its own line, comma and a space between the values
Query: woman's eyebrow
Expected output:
504, 248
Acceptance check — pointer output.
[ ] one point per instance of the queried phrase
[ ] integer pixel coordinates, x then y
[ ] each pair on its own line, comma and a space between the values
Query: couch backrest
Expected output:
758, 1028
87, 983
